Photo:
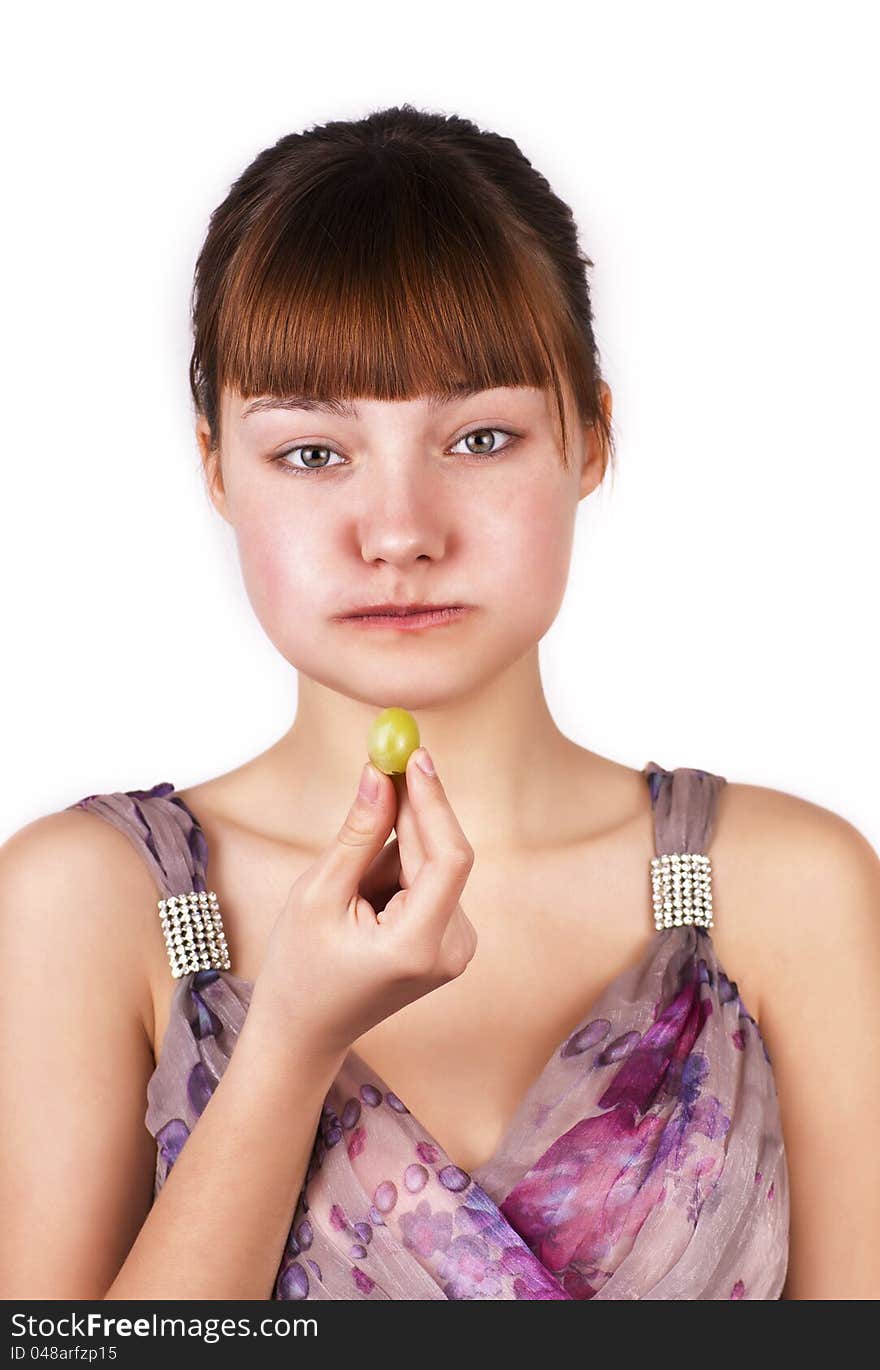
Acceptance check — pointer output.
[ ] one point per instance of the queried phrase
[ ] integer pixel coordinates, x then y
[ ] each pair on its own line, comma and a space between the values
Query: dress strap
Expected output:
684, 803
163, 831
168, 837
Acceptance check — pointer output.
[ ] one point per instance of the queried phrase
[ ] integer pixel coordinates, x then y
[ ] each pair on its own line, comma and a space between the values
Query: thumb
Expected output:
362, 836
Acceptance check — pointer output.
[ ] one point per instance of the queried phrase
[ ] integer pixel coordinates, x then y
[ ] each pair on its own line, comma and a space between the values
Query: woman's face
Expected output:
454, 503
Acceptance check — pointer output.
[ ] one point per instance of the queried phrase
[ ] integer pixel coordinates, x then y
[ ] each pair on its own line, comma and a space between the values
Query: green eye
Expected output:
393, 737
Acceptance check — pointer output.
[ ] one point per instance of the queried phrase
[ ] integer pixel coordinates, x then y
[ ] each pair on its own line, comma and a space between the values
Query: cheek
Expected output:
283, 575
531, 538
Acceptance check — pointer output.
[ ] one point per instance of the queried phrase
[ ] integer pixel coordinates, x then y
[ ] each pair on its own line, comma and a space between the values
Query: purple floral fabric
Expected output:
646, 1161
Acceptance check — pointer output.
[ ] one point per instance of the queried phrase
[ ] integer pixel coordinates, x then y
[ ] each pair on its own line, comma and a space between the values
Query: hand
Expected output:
332, 969
395, 866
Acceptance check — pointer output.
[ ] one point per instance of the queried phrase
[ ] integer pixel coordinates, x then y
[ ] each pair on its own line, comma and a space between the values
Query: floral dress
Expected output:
646, 1160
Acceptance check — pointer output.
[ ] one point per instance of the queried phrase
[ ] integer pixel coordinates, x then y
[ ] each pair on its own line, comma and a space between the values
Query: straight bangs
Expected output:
395, 277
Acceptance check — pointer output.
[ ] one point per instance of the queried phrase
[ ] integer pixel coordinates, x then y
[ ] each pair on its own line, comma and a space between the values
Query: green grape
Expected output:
393, 737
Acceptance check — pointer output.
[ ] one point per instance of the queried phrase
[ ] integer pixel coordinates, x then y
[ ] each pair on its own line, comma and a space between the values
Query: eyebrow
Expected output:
342, 408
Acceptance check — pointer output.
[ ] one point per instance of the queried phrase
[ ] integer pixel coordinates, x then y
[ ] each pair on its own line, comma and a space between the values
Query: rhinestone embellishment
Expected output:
682, 889
194, 933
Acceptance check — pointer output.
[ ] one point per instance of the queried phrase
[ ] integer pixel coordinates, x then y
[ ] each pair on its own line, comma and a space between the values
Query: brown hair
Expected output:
398, 255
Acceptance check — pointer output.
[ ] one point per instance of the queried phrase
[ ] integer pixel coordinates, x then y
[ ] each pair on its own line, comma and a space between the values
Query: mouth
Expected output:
407, 618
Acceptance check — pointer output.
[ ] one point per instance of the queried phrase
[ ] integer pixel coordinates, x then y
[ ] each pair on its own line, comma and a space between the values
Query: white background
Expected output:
721, 163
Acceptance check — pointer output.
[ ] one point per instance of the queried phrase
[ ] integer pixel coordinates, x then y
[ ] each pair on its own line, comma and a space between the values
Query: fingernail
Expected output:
369, 785
423, 760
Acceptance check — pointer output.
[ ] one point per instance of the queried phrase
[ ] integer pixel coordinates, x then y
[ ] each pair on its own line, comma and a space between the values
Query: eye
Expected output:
482, 434
314, 458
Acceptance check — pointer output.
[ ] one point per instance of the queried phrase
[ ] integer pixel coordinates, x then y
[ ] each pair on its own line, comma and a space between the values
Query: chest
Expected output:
554, 931
463, 1057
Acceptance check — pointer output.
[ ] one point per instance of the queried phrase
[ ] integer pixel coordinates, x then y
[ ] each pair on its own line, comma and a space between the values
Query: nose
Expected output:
403, 518
400, 544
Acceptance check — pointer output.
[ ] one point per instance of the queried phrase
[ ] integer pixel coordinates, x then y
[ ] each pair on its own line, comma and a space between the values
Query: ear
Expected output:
594, 463
211, 467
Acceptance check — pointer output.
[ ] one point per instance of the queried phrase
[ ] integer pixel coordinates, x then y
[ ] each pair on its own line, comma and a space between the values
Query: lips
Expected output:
393, 608
407, 620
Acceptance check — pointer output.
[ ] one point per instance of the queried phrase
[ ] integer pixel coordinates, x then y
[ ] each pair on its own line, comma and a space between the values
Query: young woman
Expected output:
463, 1061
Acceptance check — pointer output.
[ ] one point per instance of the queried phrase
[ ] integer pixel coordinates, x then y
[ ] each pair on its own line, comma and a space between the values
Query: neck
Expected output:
499, 755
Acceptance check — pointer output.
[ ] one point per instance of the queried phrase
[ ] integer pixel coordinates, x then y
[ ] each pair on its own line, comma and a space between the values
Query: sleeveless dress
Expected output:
646, 1161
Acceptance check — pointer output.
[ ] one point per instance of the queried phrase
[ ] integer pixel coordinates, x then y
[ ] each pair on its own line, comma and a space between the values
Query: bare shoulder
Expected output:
804, 882
76, 1160
791, 845
81, 885
799, 881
